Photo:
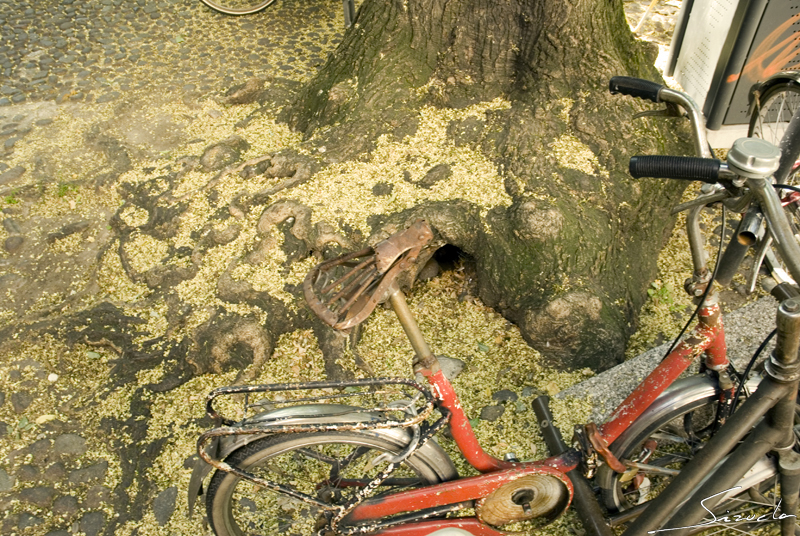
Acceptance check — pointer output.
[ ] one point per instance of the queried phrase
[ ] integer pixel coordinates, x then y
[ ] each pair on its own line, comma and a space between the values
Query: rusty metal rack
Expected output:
273, 425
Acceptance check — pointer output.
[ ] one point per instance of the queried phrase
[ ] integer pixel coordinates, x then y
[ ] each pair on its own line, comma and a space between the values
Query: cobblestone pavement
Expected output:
145, 52
88, 88
657, 26
92, 51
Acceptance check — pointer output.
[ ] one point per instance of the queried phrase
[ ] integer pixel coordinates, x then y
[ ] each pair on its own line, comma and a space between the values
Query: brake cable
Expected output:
707, 290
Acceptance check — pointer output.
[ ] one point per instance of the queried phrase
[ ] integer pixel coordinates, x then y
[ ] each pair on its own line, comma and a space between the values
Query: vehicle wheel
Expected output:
238, 7
774, 111
329, 466
673, 434
668, 439
769, 121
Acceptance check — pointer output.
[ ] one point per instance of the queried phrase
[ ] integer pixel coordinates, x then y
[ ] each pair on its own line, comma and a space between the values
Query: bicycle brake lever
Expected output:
706, 199
672, 110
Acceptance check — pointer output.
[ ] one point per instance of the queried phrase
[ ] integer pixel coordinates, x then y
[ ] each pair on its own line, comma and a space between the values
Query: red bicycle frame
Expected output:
707, 337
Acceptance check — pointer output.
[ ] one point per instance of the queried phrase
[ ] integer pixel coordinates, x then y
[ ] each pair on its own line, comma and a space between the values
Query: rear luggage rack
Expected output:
332, 390
408, 412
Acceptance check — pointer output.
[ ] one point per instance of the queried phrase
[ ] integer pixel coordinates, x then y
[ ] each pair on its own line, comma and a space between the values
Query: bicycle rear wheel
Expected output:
238, 7
773, 112
328, 466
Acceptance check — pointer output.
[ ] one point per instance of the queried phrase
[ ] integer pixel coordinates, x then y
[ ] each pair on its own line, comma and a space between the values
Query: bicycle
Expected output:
774, 103
378, 470
249, 7
238, 7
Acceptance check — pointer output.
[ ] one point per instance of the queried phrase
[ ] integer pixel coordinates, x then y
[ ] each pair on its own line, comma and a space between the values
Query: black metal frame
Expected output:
775, 400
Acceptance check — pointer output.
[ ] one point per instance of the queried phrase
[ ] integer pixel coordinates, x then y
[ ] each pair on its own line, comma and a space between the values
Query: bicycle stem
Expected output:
696, 242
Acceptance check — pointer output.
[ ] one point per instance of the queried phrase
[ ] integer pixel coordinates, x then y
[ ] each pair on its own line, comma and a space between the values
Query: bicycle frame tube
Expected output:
708, 336
790, 145
428, 366
776, 223
775, 397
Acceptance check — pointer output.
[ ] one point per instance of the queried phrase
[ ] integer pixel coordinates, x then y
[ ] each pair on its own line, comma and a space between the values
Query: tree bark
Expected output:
569, 261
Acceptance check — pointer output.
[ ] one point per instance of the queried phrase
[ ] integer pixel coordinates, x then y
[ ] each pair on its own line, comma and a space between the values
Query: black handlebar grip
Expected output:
635, 87
690, 168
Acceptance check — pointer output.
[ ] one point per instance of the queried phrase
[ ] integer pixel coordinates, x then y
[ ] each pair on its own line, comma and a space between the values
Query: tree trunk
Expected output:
570, 257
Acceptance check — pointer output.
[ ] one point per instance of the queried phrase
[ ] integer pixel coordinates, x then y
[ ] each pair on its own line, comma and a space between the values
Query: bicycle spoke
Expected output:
318, 456
672, 438
666, 458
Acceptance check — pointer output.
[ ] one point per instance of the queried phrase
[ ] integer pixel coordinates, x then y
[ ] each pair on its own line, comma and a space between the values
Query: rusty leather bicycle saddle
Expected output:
345, 290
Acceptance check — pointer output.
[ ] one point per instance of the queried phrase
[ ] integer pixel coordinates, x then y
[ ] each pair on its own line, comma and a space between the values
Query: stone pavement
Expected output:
93, 51
68, 51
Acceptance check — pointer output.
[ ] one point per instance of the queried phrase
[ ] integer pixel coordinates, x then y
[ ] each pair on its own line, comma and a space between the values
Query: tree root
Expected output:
250, 334
104, 343
233, 168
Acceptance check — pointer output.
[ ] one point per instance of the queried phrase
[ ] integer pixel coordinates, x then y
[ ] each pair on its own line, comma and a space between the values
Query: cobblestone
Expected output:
106, 46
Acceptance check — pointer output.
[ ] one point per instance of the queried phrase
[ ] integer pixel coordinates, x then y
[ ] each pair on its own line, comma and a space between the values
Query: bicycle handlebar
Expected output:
635, 87
645, 89
707, 169
676, 167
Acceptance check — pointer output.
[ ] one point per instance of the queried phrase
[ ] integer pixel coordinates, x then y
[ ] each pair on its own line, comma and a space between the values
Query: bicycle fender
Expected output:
777, 78
220, 448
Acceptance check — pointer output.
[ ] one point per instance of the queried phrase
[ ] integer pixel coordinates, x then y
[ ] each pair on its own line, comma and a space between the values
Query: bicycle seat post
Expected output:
424, 361
428, 365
